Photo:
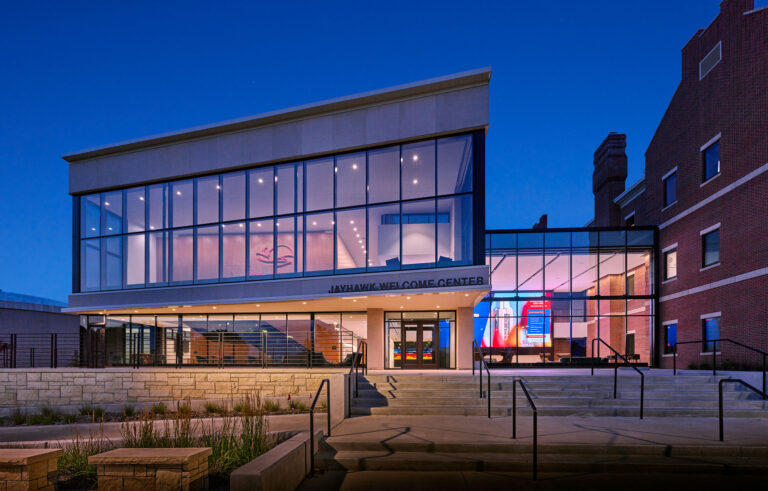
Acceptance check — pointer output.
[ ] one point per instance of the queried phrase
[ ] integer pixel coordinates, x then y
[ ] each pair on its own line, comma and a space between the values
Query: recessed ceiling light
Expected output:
407, 298
258, 305
275, 178
214, 307
351, 222
178, 193
415, 157
304, 303
141, 198
258, 225
106, 203
437, 306
218, 187
415, 181
354, 166
314, 223
357, 235
261, 181
354, 229
241, 225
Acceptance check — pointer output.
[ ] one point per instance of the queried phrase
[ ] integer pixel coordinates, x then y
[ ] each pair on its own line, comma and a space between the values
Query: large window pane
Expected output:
288, 257
384, 237
418, 229
182, 247
233, 250
181, 193
90, 215
319, 242
158, 206
351, 240
261, 247
158, 258
208, 190
319, 184
530, 271
418, 170
233, 197
112, 252
612, 272
207, 253
454, 165
454, 230
134, 209
350, 180
90, 264
261, 184
384, 175
289, 188
134, 250
112, 213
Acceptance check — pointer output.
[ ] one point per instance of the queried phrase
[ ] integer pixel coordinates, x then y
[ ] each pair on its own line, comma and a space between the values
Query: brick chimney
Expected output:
608, 179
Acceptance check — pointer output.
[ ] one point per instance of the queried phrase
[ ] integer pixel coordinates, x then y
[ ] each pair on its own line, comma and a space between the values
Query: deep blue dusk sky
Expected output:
83, 74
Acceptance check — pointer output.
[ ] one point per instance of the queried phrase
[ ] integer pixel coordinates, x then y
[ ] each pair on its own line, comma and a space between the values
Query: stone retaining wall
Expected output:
36, 387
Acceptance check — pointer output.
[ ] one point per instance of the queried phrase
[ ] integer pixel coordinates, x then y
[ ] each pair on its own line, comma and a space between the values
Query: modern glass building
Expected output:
287, 238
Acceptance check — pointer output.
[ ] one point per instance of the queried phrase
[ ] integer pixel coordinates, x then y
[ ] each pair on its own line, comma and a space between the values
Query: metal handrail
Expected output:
720, 394
535, 421
327, 383
616, 371
714, 354
488, 371
353, 368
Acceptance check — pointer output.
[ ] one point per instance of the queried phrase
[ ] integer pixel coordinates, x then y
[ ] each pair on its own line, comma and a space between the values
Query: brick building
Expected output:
706, 188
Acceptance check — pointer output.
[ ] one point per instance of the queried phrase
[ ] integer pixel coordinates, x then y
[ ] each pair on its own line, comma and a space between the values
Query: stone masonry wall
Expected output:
76, 386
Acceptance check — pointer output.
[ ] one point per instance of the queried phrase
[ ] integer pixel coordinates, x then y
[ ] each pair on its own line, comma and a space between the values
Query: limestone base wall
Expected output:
37, 387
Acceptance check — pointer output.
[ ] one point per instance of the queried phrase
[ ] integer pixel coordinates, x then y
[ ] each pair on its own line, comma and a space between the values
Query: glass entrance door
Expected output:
420, 342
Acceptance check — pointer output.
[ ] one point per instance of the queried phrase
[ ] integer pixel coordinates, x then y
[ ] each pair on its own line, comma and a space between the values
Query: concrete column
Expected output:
376, 342
465, 332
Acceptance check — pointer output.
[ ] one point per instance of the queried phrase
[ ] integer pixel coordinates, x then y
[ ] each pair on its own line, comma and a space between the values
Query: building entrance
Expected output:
421, 339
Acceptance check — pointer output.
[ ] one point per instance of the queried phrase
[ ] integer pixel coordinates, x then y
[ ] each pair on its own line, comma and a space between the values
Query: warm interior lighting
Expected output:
415, 181
218, 187
261, 181
415, 157
178, 193
141, 198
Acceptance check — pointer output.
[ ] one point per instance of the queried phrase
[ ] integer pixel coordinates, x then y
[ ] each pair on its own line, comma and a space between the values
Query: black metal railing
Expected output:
327, 383
40, 350
716, 345
616, 371
483, 364
137, 347
720, 396
535, 421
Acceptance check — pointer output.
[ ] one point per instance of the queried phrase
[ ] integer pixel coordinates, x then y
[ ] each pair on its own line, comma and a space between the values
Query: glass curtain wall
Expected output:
264, 340
553, 292
400, 207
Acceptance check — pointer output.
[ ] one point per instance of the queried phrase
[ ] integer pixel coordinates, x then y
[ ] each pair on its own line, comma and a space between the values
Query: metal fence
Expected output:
95, 348
40, 350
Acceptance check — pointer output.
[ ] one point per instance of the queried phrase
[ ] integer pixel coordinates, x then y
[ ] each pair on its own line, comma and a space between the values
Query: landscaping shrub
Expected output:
74, 471
159, 408
19, 417
271, 406
213, 408
128, 411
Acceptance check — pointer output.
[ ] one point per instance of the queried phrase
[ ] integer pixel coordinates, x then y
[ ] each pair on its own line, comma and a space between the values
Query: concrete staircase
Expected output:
341, 454
554, 395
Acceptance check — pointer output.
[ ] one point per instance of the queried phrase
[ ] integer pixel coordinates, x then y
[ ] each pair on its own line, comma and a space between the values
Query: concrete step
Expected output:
523, 411
541, 394
350, 443
580, 402
431, 461
631, 375
495, 385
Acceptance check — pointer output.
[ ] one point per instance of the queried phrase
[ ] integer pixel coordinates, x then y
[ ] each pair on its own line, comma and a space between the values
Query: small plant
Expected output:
271, 406
159, 409
128, 411
299, 406
49, 415
73, 465
18, 417
213, 408
35, 419
239, 408
97, 413
85, 410
69, 418
184, 409
323, 405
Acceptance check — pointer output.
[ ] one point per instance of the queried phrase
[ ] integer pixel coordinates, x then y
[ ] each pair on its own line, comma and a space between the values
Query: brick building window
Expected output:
710, 157
710, 333
710, 247
670, 264
670, 188
630, 284
670, 338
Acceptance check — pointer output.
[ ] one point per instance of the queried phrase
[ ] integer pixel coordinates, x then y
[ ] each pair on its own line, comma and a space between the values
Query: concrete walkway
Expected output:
38, 435
391, 430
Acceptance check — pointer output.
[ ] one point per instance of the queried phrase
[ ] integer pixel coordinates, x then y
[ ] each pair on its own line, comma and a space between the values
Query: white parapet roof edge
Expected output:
468, 78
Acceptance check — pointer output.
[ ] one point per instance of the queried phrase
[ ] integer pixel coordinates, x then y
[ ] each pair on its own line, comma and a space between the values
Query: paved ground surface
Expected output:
569, 430
493, 481
55, 433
